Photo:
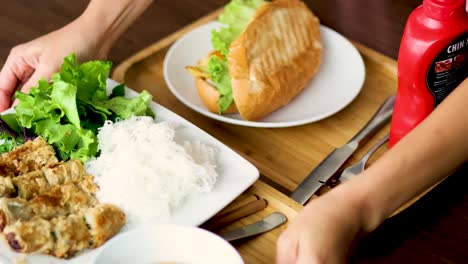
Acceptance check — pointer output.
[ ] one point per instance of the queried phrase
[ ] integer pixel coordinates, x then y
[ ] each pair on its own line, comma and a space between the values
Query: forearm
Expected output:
108, 19
425, 156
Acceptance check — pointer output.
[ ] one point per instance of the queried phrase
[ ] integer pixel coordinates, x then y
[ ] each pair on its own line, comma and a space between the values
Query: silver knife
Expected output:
333, 162
266, 224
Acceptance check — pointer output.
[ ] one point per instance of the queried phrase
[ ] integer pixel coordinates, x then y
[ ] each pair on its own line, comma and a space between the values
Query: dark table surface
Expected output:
434, 230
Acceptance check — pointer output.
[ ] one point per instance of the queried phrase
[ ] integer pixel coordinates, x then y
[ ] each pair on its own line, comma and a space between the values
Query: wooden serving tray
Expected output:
284, 156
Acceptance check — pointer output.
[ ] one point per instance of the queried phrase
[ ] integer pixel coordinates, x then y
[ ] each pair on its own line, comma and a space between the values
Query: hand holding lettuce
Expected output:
68, 111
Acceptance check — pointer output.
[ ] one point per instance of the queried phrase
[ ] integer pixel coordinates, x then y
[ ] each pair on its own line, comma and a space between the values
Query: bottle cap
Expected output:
444, 9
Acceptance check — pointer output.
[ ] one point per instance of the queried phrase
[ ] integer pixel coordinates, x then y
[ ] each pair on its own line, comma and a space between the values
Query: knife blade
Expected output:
335, 160
266, 224
327, 168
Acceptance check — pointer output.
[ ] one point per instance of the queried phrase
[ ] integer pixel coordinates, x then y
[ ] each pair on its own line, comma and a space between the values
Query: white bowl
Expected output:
168, 244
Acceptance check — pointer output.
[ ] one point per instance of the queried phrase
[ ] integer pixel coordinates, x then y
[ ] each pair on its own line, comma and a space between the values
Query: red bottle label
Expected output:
448, 69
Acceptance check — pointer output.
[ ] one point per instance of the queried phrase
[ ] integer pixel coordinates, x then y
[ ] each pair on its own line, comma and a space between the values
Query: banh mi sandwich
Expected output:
264, 55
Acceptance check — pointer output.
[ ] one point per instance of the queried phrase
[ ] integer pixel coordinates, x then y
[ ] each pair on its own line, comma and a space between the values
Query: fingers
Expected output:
287, 248
42, 72
8, 83
15, 71
10, 78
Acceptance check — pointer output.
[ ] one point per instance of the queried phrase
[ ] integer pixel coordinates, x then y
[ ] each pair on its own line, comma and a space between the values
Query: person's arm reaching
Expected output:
90, 36
325, 228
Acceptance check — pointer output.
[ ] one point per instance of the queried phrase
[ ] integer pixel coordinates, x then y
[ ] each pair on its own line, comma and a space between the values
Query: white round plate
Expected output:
337, 82
168, 244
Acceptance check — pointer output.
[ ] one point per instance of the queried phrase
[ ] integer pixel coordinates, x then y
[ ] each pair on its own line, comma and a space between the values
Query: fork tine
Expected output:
359, 166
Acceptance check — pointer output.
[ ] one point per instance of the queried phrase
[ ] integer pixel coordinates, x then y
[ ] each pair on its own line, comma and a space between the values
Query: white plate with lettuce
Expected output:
65, 109
336, 84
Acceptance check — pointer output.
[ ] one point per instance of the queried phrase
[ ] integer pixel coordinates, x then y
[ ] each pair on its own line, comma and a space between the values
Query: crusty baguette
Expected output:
274, 57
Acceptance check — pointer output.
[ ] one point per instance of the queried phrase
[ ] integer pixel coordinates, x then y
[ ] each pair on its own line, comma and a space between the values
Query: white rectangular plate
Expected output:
236, 174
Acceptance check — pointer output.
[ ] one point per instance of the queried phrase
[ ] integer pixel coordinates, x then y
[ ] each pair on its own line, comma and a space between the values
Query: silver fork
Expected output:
359, 166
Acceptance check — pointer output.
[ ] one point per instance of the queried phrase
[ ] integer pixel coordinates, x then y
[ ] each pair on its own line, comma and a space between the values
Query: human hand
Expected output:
322, 232
40, 58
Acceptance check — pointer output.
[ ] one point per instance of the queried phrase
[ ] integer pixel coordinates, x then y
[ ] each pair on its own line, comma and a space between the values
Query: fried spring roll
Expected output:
64, 171
60, 200
13, 209
104, 221
30, 236
31, 184
64, 236
28, 157
71, 235
7, 189
37, 182
87, 184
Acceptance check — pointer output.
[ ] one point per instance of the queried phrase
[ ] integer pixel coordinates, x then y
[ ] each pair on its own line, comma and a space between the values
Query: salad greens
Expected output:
8, 142
235, 18
68, 111
8, 138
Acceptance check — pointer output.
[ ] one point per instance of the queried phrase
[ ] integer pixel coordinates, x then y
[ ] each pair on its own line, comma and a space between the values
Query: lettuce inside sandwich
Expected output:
237, 14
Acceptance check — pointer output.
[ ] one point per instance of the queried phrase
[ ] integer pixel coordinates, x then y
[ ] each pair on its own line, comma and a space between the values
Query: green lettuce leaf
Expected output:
126, 108
10, 133
92, 116
68, 111
220, 77
12, 122
64, 96
90, 77
119, 90
9, 143
237, 14
235, 18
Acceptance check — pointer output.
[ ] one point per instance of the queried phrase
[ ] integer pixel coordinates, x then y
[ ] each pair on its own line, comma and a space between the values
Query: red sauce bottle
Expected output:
432, 61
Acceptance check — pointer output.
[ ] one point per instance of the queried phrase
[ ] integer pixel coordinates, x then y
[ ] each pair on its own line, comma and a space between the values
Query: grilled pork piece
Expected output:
31, 156
64, 236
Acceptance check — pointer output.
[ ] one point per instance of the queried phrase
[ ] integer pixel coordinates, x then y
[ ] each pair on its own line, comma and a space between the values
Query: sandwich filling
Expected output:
237, 15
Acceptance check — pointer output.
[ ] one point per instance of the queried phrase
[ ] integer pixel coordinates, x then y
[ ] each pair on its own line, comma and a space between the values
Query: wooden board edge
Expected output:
262, 187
